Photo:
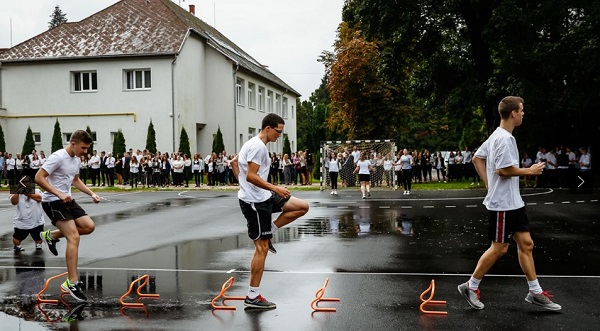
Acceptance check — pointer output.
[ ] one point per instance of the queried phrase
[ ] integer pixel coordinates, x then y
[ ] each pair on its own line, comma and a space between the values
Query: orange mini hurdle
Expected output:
52, 301
319, 297
430, 300
138, 304
226, 286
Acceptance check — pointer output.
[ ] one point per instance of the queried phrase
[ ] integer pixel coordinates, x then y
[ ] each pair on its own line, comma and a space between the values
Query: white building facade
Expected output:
111, 73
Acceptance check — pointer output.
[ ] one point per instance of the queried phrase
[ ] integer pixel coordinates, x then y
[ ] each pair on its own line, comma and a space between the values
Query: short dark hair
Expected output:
272, 120
509, 104
81, 136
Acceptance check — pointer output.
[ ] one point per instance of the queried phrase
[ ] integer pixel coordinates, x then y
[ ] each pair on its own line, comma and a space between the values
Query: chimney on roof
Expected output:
193, 9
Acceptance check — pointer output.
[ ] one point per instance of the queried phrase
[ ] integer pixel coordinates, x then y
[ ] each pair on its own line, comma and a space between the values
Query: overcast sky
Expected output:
286, 35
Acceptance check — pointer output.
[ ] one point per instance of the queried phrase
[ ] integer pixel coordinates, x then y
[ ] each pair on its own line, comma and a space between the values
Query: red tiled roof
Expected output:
131, 28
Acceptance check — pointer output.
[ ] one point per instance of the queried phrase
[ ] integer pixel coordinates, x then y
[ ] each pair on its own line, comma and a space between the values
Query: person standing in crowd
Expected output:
83, 169
287, 169
526, 163
310, 163
364, 170
440, 167
187, 169
398, 169
119, 168
29, 219
497, 162
134, 171
58, 174
196, 166
103, 173
406, 163
333, 165
388, 170
259, 199
110, 170
94, 165
585, 168
10, 170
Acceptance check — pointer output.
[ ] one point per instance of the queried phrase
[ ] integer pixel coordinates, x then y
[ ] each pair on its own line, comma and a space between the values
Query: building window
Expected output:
278, 104
239, 92
251, 95
269, 101
84, 81
251, 133
138, 79
261, 98
284, 109
37, 138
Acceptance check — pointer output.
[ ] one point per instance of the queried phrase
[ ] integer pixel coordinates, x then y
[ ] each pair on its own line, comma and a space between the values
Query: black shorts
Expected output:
60, 211
364, 177
258, 216
21, 234
502, 224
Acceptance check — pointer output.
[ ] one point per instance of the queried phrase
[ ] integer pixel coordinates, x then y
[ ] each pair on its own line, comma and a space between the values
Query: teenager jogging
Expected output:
57, 175
497, 163
259, 199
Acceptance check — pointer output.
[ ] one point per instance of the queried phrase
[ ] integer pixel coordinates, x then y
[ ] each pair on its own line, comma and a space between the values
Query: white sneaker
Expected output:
332, 192
407, 192
335, 192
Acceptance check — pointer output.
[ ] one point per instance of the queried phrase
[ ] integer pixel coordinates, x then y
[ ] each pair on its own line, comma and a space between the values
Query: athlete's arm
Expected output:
253, 178
83, 188
235, 166
534, 170
480, 168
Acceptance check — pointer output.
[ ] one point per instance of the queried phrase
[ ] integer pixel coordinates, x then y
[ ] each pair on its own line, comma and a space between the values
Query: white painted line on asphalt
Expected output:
580, 201
566, 202
406, 207
230, 271
384, 207
532, 203
594, 200
548, 203
471, 206
428, 206
450, 206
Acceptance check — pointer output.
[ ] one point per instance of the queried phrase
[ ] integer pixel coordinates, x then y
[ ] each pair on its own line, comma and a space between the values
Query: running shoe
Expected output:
18, 249
38, 246
74, 289
259, 302
50, 241
368, 194
471, 296
542, 299
272, 248
75, 314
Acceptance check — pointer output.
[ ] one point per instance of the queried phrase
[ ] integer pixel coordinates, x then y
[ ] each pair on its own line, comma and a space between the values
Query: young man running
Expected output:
259, 199
59, 172
497, 163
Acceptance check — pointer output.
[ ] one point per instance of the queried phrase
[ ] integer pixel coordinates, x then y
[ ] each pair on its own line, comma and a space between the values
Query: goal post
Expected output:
380, 152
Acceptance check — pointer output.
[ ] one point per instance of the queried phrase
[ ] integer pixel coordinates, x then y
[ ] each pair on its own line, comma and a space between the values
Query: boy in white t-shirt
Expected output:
29, 219
497, 162
56, 176
259, 199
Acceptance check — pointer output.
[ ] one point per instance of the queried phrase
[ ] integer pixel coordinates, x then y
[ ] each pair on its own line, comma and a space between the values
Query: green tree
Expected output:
119, 146
57, 18
29, 144
2, 141
184, 142
287, 149
151, 139
57, 142
218, 146
91, 149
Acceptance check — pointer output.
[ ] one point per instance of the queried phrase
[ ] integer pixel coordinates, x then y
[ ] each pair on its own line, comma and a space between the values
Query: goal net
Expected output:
381, 153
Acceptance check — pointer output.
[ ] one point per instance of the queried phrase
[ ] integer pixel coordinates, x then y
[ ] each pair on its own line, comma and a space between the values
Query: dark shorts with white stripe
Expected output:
503, 224
60, 211
258, 216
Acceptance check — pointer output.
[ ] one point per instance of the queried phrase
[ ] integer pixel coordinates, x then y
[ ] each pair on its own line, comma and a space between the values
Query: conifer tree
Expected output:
218, 146
184, 143
287, 149
29, 144
57, 142
57, 18
151, 139
2, 141
119, 146
89, 131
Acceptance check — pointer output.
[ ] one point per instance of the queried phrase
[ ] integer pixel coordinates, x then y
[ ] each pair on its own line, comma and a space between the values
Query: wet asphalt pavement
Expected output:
379, 255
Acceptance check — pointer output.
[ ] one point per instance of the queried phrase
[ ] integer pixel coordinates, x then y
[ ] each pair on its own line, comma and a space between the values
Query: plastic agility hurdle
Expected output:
430, 300
39, 296
226, 286
138, 304
319, 297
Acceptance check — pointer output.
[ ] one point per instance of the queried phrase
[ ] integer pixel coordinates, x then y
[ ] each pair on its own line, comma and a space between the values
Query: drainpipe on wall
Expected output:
173, 99
235, 138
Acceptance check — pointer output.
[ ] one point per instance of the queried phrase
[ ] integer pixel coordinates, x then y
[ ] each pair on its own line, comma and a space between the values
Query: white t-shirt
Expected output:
255, 151
500, 151
61, 168
363, 167
29, 213
333, 165
356, 156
